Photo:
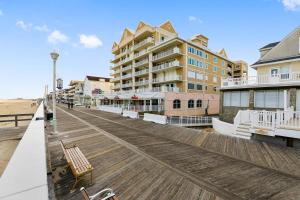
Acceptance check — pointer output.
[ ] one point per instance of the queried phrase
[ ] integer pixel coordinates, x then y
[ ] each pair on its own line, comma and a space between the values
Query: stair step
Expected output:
241, 127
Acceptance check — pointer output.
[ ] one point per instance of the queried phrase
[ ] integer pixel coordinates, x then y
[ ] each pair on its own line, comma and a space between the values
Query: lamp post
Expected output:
54, 57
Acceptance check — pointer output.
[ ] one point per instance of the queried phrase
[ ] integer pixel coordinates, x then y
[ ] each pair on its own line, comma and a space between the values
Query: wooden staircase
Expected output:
243, 131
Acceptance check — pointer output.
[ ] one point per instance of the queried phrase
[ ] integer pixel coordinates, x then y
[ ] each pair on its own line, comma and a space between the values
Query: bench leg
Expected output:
72, 189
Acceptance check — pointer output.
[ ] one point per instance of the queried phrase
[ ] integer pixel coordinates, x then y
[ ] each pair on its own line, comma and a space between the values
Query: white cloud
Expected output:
25, 26
194, 19
1, 12
90, 41
57, 37
291, 4
43, 28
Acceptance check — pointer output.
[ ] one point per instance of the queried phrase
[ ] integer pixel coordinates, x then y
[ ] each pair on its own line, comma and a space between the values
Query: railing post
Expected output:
16, 120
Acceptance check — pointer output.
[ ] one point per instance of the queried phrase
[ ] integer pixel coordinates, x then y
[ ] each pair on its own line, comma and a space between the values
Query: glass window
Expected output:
244, 99
199, 87
271, 99
191, 74
215, 60
206, 56
200, 53
191, 86
223, 72
215, 79
199, 63
215, 68
259, 99
191, 103
235, 99
223, 63
226, 100
176, 104
199, 76
199, 103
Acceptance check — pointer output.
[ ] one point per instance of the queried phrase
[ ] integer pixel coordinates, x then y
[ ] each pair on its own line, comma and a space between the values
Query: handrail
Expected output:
16, 119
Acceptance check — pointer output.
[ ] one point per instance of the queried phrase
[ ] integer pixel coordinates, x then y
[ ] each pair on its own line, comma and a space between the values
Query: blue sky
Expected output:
83, 32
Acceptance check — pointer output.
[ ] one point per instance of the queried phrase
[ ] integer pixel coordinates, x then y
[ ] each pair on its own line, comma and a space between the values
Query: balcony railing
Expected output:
166, 65
140, 53
167, 79
139, 83
115, 79
142, 72
166, 89
262, 80
142, 62
127, 59
169, 52
127, 76
126, 85
149, 40
126, 68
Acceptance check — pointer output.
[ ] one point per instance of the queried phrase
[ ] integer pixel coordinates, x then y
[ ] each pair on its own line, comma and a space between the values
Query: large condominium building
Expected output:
155, 60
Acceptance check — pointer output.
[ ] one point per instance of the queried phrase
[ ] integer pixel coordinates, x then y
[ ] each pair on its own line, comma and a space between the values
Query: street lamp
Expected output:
54, 57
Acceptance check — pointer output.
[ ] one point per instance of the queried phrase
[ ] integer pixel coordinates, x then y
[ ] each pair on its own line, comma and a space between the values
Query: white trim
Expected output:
278, 62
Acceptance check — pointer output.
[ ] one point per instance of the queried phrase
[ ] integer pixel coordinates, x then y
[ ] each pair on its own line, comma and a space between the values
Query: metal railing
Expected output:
169, 78
166, 53
190, 120
141, 72
142, 43
16, 118
142, 62
166, 65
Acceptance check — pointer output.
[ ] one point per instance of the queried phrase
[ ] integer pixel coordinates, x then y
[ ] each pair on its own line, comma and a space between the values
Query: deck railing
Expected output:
16, 118
262, 79
190, 120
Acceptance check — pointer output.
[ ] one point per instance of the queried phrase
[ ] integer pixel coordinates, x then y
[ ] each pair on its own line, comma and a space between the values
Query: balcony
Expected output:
167, 54
117, 86
126, 85
115, 79
124, 61
140, 54
143, 43
167, 79
167, 65
129, 67
263, 80
113, 72
140, 83
142, 72
142, 63
127, 76
166, 89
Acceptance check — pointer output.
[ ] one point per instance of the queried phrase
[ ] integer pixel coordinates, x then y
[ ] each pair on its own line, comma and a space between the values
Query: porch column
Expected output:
285, 98
150, 105
159, 105
144, 105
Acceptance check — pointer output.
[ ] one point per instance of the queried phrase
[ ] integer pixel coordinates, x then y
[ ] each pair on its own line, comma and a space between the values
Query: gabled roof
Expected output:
223, 53
141, 25
271, 45
168, 27
114, 45
286, 49
127, 33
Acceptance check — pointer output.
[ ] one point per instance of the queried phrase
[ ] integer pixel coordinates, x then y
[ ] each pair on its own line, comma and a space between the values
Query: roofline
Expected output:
275, 62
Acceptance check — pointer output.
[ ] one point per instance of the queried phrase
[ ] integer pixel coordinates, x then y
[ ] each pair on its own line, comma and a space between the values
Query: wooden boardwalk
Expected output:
142, 160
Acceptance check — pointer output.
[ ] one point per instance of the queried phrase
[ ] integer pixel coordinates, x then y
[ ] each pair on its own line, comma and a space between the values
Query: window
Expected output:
176, 104
223, 72
162, 38
191, 50
236, 98
206, 56
191, 103
199, 87
223, 63
215, 88
191, 61
191, 86
199, 63
206, 77
215, 60
206, 66
199, 103
269, 99
215, 79
200, 53
215, 68
191, 74
199, 76
274, 72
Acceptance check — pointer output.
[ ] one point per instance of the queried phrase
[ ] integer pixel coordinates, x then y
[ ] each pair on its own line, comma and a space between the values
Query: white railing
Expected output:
139, 83
142, 43
140, 53
189, 120
126, 68
142, 62
166, 65
126, 76
166, 89
124, 60
165, 79
136, 108
115, 79
25, 176
141, 72
262, 79
126, 85
166, 53
269, 119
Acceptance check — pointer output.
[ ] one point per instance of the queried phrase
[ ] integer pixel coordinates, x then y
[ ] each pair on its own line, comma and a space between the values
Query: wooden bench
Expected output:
78, 163
105, 194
